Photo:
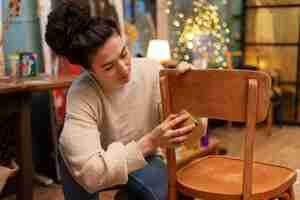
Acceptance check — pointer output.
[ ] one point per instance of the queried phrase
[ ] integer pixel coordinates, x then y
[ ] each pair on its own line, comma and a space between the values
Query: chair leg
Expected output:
229, 124
183, 197
284, 196
291, 193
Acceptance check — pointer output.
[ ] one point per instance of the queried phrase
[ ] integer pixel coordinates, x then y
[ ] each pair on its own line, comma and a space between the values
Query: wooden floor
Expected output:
283, 147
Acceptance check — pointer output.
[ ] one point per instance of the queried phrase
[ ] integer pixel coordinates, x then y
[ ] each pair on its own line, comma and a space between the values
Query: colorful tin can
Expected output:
28, 64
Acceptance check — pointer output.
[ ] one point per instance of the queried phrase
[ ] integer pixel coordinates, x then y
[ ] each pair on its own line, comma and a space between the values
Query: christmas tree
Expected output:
203, 35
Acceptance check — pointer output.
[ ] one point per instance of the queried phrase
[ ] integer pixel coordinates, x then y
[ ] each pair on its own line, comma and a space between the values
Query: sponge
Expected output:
193, 140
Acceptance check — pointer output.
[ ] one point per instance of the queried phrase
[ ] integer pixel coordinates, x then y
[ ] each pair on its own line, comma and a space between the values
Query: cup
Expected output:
13, 70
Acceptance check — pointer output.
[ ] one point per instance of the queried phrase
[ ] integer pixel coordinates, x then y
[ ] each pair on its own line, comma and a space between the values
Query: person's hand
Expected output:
166, 134
183, 67
6, 172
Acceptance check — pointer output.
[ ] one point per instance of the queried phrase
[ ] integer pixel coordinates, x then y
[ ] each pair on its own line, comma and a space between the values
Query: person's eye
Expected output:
108, 68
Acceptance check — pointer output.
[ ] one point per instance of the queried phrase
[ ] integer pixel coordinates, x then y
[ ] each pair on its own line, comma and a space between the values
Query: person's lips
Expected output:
124, 78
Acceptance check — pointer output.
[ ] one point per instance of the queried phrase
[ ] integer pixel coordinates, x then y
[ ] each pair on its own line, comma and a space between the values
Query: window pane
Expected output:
284, 59
266, 25
272, 2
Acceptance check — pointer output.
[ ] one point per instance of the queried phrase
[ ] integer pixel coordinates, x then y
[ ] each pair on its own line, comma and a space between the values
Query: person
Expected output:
112, 128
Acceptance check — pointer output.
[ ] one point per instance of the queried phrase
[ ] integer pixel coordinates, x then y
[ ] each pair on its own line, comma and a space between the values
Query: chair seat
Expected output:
220, 177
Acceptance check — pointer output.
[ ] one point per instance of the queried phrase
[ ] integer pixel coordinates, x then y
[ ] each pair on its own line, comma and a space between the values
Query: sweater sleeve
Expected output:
91, 166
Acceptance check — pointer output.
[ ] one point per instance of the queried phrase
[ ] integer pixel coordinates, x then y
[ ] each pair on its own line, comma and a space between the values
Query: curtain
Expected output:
50, 62
1, 46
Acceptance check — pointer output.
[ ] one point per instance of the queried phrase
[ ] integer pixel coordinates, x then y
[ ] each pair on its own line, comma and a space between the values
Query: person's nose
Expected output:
123, 68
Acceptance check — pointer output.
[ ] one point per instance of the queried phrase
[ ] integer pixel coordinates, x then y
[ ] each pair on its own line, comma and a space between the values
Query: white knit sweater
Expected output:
98, 141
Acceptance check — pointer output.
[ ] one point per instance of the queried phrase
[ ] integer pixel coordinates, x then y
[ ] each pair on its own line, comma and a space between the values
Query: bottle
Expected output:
14, 65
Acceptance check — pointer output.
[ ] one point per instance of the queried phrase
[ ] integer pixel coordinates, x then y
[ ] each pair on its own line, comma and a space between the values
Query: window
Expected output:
269, 45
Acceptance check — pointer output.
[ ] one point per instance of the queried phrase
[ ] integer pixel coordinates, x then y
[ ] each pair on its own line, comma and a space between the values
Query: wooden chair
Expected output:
241, 96
229, 55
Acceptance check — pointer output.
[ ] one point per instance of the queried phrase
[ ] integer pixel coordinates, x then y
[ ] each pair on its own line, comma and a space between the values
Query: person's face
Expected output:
112, 64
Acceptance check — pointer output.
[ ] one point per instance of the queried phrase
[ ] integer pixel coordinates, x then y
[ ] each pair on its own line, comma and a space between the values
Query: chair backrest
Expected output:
233, 95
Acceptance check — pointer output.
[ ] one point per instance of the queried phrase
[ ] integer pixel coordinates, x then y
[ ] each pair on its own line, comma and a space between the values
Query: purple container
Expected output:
204, 140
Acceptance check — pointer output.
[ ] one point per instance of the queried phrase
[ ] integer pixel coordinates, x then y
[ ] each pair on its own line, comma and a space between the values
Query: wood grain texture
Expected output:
24, 150
241, 96
217, 94
250, 138
271, 2
267, 25
20, 91
274, 58
217, 177
34, 85
171, 156
267, 149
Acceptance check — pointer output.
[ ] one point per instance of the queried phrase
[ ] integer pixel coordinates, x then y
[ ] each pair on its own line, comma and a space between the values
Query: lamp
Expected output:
159, 50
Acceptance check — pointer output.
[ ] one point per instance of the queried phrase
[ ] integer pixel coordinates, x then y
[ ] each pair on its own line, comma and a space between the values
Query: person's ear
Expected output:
92, 67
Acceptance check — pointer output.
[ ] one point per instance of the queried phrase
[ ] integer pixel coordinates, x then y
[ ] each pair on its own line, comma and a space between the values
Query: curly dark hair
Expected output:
72, 32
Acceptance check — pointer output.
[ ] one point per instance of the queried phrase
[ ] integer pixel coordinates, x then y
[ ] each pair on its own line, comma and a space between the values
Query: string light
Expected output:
204, 32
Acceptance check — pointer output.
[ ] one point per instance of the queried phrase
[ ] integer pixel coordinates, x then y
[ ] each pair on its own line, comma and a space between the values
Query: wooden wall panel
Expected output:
282, 58
267, 25
272, 2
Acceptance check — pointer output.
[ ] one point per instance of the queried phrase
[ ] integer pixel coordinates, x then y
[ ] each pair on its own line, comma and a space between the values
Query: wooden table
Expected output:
19, 92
